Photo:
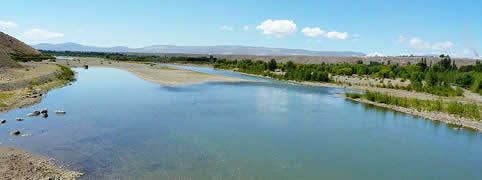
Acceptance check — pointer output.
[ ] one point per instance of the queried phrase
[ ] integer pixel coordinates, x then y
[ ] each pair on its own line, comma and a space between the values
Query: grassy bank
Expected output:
471, 111
26, 96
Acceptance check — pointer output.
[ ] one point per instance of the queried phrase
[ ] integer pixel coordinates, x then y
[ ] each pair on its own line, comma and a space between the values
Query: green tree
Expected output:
272, 65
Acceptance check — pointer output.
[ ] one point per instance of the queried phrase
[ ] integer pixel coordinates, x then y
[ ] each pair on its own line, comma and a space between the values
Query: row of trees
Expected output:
36, 58
438, 78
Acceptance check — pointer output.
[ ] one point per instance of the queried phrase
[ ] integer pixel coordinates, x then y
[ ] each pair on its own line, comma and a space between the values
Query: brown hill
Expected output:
6, 61
12, 46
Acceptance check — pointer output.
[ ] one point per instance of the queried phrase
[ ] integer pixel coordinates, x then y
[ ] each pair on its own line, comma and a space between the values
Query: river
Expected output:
119, 126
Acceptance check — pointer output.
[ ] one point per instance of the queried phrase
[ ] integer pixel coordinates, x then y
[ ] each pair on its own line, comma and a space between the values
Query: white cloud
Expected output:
227, 28
375, 54
313, 32
246, 28
317, 32
337, 35
7, 24
40, 34
278, 28
419, 44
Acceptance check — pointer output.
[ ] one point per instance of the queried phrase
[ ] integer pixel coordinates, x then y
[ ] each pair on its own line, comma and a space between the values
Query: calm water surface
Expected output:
118, 126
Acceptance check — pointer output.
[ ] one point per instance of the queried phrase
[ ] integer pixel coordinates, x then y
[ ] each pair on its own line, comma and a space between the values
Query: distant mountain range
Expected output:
222, 50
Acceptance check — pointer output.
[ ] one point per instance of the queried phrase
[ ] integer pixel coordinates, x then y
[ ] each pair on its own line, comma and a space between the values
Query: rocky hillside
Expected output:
11, 46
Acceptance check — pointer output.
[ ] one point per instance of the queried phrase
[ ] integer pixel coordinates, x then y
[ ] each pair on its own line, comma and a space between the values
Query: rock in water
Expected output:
30, 114
3, 121
15, 133
19, 119
59, 112
45, 115
44, 111
36, 113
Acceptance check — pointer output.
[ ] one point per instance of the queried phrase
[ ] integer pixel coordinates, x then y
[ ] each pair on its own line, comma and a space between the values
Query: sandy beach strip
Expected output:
162, 74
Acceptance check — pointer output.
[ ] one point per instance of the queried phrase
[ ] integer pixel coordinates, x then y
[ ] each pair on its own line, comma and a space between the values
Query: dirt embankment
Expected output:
161, 74
18, 164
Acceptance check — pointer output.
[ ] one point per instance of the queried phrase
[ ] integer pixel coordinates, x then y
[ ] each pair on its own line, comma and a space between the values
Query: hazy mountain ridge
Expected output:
223, 50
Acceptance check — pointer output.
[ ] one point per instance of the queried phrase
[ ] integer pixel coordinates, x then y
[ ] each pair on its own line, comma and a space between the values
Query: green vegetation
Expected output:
36, 58
437, 79
471, 111
167, 68
66, 74
4, 96
353, 95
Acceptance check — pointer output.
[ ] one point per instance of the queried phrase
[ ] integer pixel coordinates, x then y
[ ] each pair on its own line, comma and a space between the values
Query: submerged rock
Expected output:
15, 133
19, 119
59, 112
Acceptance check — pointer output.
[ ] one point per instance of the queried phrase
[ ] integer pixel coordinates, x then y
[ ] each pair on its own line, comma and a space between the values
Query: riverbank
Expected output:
458, 122
18, 164
165, 75
24, 87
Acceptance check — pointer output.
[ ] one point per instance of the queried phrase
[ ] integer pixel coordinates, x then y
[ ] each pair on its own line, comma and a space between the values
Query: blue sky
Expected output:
389, 28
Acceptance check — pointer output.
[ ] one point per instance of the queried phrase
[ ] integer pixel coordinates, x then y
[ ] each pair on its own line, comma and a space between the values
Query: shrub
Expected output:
353, 95
66, 74
455, 108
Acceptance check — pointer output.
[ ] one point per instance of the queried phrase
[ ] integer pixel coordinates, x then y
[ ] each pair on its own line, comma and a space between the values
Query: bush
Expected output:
353, 95
66, 74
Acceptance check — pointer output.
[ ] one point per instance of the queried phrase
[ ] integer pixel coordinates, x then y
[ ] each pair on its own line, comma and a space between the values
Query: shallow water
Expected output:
119, 126
63, 57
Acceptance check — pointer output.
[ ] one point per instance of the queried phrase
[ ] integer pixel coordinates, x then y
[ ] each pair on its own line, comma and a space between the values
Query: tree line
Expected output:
443, 78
